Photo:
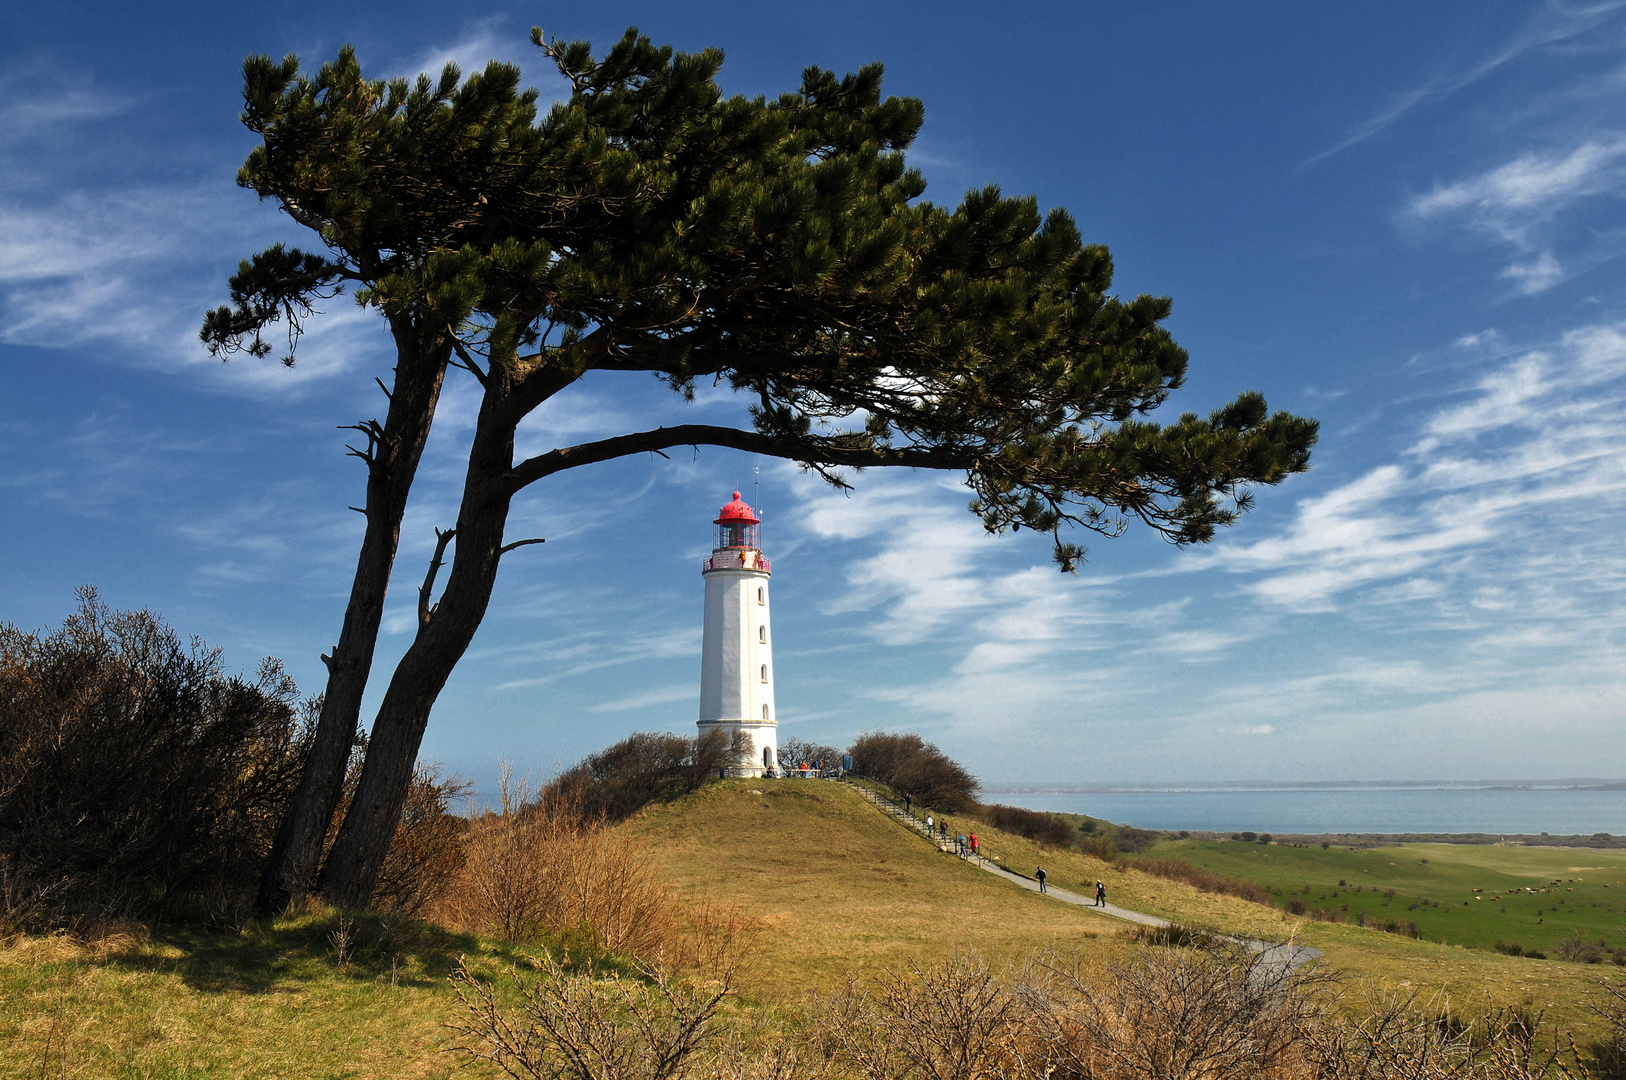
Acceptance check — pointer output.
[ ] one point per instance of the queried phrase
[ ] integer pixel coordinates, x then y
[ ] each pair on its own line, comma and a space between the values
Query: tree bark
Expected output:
392, 464
444, 633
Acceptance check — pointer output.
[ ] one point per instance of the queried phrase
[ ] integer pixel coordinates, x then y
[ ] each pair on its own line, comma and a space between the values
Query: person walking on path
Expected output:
959, 844
1100, 894
929, 824
1039, 873
973, 843
909, 804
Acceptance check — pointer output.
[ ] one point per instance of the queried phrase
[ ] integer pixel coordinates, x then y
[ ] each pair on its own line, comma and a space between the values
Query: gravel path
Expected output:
1273, 952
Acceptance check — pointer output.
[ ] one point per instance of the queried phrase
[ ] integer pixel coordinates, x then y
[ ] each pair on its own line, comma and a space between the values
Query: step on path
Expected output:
1273, 952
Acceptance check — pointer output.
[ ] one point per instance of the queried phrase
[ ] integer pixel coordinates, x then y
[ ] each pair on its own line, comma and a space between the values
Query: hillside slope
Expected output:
840, 885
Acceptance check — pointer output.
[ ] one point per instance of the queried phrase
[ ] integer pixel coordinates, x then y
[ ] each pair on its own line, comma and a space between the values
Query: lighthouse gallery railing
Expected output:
736, 560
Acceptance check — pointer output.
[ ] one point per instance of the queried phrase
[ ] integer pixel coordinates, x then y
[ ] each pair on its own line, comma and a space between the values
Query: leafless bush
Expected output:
951, 1021
539, 872
426, 854
1173, 1014
910, 765
1577, 949
588, 1026
1048, 829
643, 768
1610, 1051
1386, 1038
794, 751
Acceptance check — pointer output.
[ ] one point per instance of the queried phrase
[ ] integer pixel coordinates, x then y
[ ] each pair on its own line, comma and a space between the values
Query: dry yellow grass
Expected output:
834, 882
839, 884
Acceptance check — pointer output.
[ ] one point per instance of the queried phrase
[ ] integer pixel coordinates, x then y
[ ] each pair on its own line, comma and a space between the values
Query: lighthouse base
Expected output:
756, 745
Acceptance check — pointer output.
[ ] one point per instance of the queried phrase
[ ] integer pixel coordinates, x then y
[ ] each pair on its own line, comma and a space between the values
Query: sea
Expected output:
1325, 808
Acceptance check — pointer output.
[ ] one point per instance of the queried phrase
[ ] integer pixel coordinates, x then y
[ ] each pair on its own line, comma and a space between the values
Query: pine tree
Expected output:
648, 223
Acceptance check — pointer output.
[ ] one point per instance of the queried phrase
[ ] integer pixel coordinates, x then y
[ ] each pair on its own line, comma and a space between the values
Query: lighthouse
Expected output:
736, 653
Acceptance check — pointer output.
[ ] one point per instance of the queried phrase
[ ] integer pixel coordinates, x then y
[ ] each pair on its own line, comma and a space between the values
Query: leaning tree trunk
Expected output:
392, 455
444, 633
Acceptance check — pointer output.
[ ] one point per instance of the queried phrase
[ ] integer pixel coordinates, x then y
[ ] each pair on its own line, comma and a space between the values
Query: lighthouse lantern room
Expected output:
736, 661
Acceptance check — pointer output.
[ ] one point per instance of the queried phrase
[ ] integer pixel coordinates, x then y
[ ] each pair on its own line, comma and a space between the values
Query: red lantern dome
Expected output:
737, 513
737, 539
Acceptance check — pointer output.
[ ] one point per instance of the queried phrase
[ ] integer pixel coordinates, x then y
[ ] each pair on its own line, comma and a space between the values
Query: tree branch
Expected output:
815, 453
506, 548
463, 354
424, 610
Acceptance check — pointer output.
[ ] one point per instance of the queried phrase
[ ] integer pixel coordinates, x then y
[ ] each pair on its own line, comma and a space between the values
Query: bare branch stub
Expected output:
506, 548
425, 610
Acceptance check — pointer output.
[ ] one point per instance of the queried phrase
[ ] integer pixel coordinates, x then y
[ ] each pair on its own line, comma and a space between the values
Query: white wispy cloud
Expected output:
480, 41
1530, 186
1541, 435
1536, 276
40, 102
661, 695
1482, 554
1551, 24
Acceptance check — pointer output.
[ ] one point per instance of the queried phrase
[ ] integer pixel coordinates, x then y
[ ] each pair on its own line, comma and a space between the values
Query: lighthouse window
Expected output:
761, 596
765, 712
762, 633
764, 672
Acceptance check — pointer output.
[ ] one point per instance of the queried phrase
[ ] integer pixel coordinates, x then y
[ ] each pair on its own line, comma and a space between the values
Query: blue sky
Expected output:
1405, 220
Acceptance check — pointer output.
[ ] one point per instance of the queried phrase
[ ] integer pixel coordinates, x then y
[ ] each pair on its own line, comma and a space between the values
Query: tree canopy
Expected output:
648, 223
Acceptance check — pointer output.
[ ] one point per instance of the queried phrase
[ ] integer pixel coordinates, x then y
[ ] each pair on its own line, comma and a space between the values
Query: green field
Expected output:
1473, 895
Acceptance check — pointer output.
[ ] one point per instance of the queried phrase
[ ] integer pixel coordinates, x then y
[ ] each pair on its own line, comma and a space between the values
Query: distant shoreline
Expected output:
1171, 787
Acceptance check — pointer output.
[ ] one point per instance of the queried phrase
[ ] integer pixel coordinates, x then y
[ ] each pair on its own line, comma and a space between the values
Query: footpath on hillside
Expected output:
1274, 952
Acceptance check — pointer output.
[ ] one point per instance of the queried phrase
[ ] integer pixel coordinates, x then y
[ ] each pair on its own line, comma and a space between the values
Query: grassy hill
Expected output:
839, 884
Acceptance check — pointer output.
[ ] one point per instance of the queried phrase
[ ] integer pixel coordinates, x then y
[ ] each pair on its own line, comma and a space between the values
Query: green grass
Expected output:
275, 1001
1473, 895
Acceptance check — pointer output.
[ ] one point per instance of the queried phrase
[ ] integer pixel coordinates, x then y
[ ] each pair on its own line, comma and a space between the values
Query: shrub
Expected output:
426, 853
546, 872
643, 768
1101, 847
1047, 829
1513, 948
133, 770
1203, 878
1576, 949
794, 751
1131, 840
578, 1025
910, 765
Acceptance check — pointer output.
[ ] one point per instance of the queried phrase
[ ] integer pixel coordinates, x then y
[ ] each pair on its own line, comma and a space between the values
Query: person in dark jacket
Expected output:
1040, 874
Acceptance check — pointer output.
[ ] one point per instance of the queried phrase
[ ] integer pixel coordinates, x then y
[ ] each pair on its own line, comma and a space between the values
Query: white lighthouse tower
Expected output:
736, 658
